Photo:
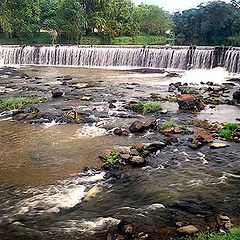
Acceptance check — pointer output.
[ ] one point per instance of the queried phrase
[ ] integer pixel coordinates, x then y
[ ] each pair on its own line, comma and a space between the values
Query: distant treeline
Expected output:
213, 23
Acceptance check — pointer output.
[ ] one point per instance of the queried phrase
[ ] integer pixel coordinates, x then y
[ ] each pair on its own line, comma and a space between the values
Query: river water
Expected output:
47, 192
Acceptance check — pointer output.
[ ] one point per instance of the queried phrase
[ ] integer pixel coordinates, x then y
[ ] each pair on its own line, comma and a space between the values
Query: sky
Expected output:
174, 5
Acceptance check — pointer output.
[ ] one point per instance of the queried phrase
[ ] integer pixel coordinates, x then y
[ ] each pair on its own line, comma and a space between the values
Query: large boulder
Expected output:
189, 102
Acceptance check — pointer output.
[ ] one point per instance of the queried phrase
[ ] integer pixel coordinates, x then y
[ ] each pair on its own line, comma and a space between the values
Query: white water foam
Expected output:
88, 131
64, 195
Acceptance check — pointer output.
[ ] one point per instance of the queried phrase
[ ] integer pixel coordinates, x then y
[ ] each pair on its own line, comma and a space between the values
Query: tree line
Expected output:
211, 23
72, 19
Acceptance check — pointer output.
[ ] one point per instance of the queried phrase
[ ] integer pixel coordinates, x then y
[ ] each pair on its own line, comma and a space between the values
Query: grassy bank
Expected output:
143, 40
44, 38
233, 235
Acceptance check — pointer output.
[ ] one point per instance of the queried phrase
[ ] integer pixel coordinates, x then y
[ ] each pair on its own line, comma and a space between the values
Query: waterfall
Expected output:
172, 57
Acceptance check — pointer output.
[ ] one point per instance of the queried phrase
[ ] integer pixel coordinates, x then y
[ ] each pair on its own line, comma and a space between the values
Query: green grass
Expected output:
112, 159
189, 90
146, 108
233, 235
228, 130
184, 129
16, 103
45, 38
143, 40
166, 125
151, 107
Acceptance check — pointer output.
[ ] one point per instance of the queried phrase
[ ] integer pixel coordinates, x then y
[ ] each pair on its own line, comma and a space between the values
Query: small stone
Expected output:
150, 123
86, 98
118, 131
154, 146
228, 225
134, 152
57, 93
80, 85
125, 133
223, 218
139, 146
187, 230
125, 156
137, 160
111, 105
137, 126
218, 145
164, 111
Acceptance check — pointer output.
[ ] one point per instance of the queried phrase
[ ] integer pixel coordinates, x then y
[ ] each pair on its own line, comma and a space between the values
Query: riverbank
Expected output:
96, 146
44, 38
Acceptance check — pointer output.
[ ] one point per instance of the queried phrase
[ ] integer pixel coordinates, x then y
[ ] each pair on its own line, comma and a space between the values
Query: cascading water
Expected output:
123, 56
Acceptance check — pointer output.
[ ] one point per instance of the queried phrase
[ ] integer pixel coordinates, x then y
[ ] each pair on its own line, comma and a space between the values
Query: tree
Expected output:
211, 23
71, 19
152, 19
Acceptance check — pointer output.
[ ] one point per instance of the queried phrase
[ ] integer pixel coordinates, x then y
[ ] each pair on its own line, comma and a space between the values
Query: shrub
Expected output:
228, 130
112, 159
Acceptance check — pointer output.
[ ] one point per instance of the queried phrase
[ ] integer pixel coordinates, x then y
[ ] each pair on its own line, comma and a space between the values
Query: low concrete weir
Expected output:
173, 57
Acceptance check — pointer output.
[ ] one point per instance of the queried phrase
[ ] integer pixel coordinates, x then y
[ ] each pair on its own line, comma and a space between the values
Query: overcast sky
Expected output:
173, 5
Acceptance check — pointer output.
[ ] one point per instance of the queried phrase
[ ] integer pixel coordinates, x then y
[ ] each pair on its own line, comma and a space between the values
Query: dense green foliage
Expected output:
118, 22
69, 20
228, 130
212, 23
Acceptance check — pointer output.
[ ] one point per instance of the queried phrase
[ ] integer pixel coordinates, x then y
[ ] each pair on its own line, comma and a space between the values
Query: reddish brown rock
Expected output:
189, 102
137, 127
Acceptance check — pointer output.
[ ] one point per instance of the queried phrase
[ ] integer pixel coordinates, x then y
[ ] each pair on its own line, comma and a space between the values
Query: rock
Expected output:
137, 160
86, 98
154, 146
187, 230
57, 93
111, 105
20, 116
224, 222
125, 156
164, 111
118, 131
125, 133
189, 102
218, 145
150, 123
137, 127
125, 227
236, 96
173, 74
202, 136
80, 85
138, 146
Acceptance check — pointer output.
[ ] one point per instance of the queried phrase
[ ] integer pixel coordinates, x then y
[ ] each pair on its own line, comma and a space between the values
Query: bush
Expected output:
112, 159
228, 130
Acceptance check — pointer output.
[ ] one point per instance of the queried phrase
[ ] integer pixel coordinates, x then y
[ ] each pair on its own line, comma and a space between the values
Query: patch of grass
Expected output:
143, 40
228, 130
184, 129
166, 125
172, 99
145, 108
16, 103
233, 235
151, 107
189, 90
199, 96
112, 159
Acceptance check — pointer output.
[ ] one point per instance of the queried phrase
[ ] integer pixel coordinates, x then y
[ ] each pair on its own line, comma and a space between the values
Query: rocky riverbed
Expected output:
107, 154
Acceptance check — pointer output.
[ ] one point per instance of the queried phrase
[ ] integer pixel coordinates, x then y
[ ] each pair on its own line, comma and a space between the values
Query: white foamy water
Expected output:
63, 195
51, 124
196, 76
90, 131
